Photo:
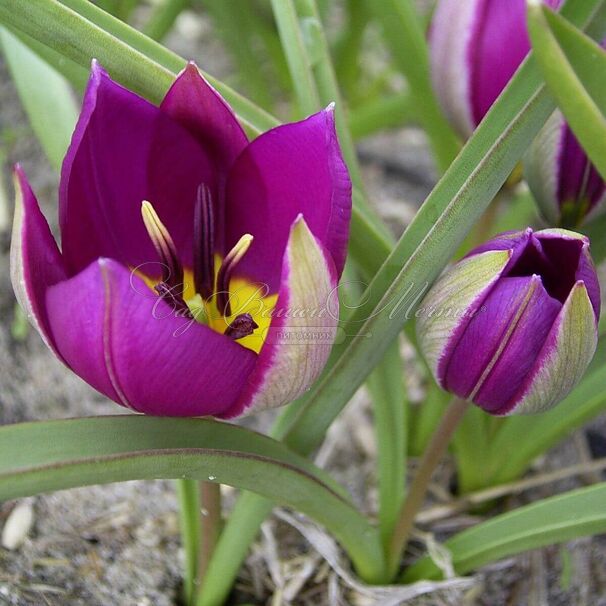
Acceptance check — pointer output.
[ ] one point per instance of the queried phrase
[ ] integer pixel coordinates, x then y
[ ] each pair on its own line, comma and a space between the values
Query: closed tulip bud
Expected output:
565, 184
476, 47
513, 326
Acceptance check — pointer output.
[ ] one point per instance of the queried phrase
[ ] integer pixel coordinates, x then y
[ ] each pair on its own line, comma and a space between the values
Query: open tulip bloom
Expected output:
197, 271
513, 326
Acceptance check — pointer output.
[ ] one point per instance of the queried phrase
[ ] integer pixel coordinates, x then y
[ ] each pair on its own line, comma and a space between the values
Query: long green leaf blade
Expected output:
555, 520
53, 455
580, 95
46, 97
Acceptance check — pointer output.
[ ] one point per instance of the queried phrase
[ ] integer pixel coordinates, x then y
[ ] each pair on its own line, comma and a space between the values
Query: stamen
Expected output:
204, 243
225, 272
242, 326
172, 273
174, 298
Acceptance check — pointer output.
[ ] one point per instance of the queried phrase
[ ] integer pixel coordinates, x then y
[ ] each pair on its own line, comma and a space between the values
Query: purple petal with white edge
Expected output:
519, 350
125, 150
579, 180
35, 261
541, 167
303, 327
290, 170
449, 306
129, 344
501, 342
500, 45
561, 364
453, 28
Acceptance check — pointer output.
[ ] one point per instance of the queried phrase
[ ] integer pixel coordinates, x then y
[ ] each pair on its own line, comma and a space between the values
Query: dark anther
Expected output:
173, 297
242, 326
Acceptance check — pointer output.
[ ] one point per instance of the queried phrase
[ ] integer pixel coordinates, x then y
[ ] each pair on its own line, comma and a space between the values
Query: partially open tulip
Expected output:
476, 47
565, 184
513, 326
196, 269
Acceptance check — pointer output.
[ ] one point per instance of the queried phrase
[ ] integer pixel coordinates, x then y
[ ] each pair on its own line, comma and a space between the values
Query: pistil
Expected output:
204, 243
171, 287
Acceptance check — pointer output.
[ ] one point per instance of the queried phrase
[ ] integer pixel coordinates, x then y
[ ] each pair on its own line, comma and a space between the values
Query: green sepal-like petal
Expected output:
566, 355
447, 307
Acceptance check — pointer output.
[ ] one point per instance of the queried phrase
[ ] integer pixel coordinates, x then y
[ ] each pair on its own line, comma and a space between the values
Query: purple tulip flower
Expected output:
476, 47
513, 326
196, 269
567, 187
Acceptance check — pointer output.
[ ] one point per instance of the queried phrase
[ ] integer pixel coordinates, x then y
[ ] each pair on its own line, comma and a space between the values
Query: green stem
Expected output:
163, 18
210, 526
426, 417
328, 88
470, 447
383, 113
325, 78
390, 415
189, 512
406, 40
431, 458
125, 9
237, 23
296, 55
347, 48
232, 548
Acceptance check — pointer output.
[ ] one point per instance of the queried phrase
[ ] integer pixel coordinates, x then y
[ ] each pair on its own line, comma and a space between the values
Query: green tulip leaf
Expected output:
574, 68
575, 514
45, 94
53, 455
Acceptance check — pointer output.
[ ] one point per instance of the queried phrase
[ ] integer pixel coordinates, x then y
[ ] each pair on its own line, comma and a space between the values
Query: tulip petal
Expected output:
567, 352
579, 179
515, 241
290, 170
197, 106
126, 342
499, 46
439, 325
35, 260
541, 167
303, 326
125, 150
500, 347
454, 27
574, 262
